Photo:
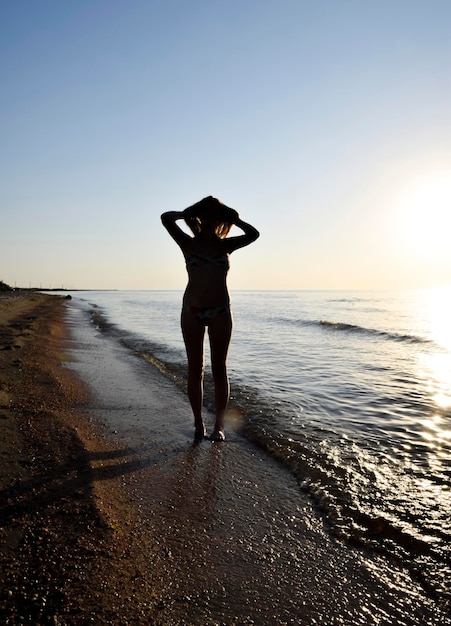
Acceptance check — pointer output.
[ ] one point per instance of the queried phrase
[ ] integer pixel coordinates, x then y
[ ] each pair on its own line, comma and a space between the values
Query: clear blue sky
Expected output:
326, 124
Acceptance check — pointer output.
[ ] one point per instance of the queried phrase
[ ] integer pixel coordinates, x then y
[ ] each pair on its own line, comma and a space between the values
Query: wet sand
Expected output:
142, 525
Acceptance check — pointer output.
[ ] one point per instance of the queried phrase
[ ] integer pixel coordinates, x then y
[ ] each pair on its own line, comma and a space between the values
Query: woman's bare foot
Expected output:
217, 435
199, 431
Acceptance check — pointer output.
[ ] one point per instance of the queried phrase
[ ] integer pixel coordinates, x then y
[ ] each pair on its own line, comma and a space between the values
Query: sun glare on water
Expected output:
436, 364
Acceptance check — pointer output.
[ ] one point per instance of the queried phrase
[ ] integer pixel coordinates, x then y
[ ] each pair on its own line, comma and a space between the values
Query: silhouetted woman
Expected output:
206, 302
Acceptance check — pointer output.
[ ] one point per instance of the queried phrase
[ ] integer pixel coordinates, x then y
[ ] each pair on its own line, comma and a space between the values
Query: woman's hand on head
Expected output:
190, 212
232, 215
171, 216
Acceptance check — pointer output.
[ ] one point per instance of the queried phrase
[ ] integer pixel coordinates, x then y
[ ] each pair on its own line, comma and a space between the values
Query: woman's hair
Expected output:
223, 214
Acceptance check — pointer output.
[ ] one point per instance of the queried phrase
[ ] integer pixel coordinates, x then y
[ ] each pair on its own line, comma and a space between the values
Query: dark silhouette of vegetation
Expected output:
5, 287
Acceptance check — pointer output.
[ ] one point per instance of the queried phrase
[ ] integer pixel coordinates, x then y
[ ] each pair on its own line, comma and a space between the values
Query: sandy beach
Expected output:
110, 514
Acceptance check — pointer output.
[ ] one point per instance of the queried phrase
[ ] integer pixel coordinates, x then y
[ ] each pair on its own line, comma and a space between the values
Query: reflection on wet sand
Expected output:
232, 537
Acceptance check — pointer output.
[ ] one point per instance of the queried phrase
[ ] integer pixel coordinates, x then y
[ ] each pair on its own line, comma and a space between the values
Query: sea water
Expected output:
350, 390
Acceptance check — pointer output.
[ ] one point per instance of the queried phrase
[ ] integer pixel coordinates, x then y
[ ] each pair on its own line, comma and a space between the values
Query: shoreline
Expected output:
57, 545
139, 526
50, 523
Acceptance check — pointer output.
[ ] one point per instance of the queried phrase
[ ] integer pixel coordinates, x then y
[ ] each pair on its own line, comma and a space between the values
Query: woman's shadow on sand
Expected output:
74, 479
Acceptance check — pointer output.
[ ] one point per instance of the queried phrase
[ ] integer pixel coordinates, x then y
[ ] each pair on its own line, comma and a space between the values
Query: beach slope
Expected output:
111, 514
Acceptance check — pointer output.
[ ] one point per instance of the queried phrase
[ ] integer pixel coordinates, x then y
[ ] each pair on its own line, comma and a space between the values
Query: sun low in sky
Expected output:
326, 124
423, 212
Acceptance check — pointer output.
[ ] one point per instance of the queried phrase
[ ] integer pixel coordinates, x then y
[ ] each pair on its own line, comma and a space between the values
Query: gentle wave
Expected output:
354, 328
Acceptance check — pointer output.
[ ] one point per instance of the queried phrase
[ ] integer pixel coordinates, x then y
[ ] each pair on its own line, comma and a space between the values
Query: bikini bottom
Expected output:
205, 315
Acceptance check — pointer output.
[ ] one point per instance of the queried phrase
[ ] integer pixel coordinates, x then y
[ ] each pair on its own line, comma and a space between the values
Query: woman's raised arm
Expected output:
169, 220
250, 235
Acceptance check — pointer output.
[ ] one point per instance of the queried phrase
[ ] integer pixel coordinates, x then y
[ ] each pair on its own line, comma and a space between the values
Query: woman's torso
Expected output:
207, 264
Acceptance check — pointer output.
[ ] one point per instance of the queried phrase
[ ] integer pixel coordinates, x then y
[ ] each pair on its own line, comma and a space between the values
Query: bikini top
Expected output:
194, 261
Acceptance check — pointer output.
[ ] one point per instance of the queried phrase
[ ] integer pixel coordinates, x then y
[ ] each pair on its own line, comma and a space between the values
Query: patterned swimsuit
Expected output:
205, 315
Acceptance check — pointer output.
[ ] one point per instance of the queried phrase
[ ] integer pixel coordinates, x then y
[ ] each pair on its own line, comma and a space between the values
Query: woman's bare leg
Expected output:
220, 332
193, 334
